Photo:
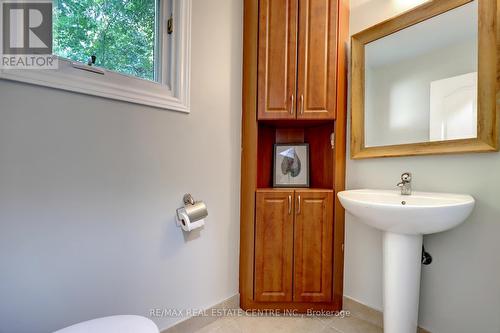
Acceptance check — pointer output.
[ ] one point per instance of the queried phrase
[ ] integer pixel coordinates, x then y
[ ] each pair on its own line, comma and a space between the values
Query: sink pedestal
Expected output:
402, 268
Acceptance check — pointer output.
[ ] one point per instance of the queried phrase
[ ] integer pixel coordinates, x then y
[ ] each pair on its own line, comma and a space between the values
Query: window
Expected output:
104, 29
132, 50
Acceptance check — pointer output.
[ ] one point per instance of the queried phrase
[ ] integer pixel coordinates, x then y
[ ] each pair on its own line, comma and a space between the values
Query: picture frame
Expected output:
291, 165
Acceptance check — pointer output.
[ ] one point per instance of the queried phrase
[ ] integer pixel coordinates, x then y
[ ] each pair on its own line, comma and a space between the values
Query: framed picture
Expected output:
291, 165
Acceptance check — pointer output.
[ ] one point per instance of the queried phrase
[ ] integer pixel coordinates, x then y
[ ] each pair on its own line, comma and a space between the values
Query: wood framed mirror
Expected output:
427, 81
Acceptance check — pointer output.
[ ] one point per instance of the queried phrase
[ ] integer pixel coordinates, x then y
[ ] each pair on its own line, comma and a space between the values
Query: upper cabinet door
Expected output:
317, 59
277, 64
273, 246
313, 246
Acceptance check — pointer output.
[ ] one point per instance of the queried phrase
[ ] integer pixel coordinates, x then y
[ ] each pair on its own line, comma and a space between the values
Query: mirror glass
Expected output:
421, 82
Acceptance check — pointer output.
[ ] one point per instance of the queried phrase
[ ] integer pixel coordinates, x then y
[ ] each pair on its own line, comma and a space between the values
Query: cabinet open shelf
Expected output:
321, 157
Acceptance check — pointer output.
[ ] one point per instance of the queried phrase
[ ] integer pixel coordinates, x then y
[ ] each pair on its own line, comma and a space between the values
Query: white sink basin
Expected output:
404, 219
419, 213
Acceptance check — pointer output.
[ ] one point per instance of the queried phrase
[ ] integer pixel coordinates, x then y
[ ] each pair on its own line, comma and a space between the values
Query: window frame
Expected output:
172, 92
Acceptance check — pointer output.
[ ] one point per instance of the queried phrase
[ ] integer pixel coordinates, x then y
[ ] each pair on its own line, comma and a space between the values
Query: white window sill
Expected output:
111, 85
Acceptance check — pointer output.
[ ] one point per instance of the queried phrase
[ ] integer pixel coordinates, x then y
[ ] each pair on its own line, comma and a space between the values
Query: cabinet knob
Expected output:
298, 205
301, 104
292, 104
289, 205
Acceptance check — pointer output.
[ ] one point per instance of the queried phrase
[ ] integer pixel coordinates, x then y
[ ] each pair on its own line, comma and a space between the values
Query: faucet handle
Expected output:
406, 177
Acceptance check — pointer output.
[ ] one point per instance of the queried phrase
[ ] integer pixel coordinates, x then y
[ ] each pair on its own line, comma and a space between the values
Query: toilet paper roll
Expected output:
186, 223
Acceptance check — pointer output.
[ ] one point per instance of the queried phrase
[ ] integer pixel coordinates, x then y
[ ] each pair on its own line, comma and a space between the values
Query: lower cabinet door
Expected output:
313, 246
274, 246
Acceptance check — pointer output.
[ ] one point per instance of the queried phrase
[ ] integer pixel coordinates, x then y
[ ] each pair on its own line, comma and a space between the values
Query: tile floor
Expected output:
248, 324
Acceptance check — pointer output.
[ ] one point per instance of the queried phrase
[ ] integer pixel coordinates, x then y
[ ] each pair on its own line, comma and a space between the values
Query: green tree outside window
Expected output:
120, 33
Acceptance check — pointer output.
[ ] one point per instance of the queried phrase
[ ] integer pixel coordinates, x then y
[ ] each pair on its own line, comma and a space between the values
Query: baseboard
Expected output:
195, 323
367, 313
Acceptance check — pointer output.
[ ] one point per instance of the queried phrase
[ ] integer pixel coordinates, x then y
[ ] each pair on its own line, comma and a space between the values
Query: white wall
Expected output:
89, 187
460, 291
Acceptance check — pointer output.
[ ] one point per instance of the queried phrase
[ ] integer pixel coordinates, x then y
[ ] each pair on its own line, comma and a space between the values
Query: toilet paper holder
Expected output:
192, 214
188, 199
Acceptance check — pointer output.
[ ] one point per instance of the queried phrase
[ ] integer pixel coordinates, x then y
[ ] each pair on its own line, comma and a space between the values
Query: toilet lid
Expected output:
114, 324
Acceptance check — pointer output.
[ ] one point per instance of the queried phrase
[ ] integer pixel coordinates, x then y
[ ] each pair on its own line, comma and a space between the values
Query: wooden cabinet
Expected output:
277, 59
317, 60
274, 246
297, 59
313, 241
293, 245
294, 92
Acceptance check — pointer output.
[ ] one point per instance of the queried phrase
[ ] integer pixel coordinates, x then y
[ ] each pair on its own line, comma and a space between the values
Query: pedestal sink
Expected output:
404, 219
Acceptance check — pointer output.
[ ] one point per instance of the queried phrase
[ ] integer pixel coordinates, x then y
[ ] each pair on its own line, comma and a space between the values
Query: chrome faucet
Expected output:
405, 184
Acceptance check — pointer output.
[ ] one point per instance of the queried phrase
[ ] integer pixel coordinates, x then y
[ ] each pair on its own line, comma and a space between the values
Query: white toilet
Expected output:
114, 324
